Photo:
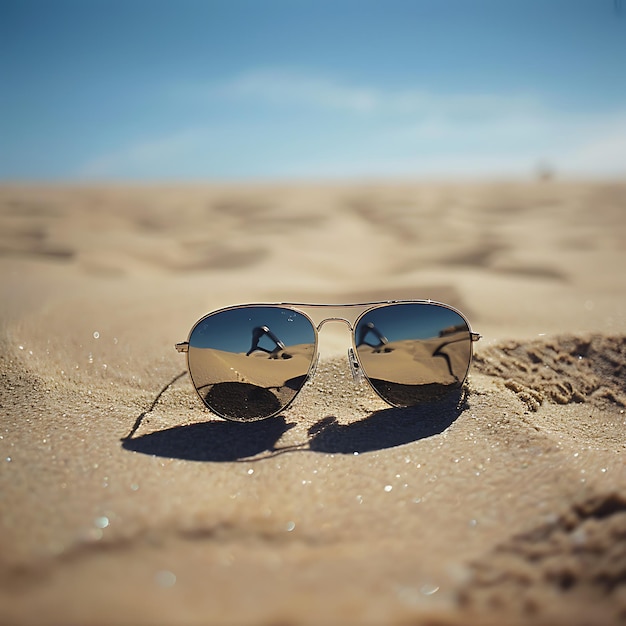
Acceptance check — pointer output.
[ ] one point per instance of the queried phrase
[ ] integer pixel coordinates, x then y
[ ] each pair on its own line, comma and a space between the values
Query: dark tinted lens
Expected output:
249, 363
413, 352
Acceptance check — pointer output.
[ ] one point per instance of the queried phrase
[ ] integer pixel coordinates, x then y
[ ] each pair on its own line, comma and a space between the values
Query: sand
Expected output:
124, 501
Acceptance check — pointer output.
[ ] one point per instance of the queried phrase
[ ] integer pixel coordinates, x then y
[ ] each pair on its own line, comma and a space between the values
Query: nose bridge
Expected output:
334, 319
335, 338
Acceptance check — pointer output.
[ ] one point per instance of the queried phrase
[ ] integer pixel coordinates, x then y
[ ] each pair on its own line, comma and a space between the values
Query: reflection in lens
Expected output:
248, 363
413, 352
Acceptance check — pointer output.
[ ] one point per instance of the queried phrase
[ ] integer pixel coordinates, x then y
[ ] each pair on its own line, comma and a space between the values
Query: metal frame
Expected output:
351, 321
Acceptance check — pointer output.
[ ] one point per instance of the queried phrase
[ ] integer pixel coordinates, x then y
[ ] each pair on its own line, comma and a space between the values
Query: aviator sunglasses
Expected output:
249, 362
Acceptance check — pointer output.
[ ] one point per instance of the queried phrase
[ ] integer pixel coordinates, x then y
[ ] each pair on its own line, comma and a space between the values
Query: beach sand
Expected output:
124, 501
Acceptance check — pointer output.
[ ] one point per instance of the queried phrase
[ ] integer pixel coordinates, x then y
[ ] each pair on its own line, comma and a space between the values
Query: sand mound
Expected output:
560, 370
579, 557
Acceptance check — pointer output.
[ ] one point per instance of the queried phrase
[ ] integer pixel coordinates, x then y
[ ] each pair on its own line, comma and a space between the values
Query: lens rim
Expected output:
309, 372
385, 305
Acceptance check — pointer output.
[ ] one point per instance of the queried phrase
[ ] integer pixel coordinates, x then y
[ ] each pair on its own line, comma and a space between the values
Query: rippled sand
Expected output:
123, 501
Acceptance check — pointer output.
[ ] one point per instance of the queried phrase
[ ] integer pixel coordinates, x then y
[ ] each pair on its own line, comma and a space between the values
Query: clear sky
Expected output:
263, 89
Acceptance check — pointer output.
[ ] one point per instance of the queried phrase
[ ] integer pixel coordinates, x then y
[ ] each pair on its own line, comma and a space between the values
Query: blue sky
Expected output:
298, 89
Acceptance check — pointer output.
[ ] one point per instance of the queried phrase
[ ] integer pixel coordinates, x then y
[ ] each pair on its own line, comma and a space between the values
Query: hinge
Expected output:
183, 346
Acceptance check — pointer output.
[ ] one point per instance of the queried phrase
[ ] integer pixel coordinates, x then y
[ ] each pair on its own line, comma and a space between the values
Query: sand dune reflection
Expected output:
413, 370
247, 387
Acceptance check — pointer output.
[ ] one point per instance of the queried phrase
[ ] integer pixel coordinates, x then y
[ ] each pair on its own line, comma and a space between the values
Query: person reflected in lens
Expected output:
258, 332
369, 328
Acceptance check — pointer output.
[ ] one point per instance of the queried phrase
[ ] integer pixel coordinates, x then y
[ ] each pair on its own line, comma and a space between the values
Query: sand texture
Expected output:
124, 501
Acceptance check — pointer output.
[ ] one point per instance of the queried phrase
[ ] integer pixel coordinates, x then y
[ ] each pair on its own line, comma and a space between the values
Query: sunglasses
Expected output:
249, 362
